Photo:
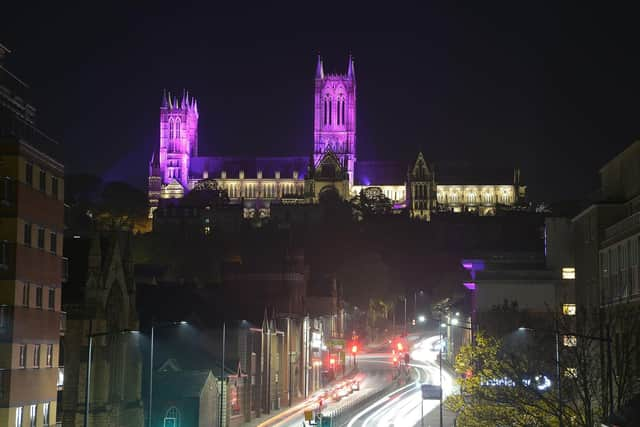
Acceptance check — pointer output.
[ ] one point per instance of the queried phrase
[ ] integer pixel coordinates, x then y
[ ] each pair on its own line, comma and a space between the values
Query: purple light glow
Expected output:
335, 116
467, 265
470, 285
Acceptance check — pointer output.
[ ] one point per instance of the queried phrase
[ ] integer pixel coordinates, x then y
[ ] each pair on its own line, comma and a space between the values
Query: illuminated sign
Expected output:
316, 340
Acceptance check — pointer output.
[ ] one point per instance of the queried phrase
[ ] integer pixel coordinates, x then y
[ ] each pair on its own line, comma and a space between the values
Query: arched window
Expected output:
171, 418
325, 111
330, 109
171, 129
176, 133
342, 112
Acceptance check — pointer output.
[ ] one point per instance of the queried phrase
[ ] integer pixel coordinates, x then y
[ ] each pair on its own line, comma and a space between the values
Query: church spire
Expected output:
351, 73
165, 103
319, 69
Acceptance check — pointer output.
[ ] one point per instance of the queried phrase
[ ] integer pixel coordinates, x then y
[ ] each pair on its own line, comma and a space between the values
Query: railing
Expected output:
622, 226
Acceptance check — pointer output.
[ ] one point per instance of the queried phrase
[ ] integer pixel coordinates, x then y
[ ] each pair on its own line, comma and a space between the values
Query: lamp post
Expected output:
87, 393
153, 327
415, 303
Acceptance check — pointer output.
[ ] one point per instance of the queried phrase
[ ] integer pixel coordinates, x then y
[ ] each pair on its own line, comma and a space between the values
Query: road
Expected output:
375, 372
398, 408
402, 407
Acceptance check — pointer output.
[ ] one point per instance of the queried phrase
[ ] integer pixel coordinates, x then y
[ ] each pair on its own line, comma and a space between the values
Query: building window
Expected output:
40, 238
570, 340
49, 355
5, 190
25, 295
568, 273
4, 256
29, 173
39, 297
4, 316
36, 355
19, 416
34, 415
27, 234
45, 414
53, 242
171, 417
52, 299
569, 309
571, 372
22, 357
54, 187
43, 180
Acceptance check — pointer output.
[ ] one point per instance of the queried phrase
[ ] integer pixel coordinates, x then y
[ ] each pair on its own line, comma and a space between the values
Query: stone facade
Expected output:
257, 183
101, 299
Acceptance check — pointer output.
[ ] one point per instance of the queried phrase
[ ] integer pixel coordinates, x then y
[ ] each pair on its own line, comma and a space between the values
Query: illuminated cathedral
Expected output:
332, 168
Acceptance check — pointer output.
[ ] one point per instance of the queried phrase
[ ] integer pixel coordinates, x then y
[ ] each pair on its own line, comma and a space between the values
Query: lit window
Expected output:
570, 340
49, 354
34, 416
45, 413
568, 273
569, 309
571, 372
36, 356
207, 230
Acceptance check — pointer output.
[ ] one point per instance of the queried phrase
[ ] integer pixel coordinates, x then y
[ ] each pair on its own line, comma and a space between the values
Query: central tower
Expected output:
335, 116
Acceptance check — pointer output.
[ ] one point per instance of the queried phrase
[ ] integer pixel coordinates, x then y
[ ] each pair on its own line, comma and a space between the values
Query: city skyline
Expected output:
430, 87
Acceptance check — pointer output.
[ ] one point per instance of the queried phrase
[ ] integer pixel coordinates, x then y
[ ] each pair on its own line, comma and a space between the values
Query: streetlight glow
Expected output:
443, 325
421, 318
454, 321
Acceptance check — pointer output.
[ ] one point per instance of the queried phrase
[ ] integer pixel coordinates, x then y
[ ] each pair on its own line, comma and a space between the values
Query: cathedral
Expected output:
331, 169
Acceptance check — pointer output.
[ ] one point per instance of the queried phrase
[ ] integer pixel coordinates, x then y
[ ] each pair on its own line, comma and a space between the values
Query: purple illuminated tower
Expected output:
178, 137
335, 116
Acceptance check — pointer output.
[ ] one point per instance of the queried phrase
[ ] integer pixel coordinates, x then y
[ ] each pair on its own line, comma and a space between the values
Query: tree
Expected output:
370, 202
498, 389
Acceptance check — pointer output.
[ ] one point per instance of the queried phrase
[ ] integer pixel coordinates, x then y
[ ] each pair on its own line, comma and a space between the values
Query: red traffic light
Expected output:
400, 346
332, 361
354, 349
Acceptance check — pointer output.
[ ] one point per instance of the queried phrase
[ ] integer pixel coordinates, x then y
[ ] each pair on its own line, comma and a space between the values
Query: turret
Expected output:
319, 69
351, 73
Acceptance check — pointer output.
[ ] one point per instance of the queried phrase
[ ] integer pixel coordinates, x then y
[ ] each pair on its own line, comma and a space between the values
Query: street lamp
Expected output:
153, 327
556, 332
415, 303
87, 393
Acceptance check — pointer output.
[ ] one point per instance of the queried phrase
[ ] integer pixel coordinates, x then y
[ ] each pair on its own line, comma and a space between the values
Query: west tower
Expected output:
335, 116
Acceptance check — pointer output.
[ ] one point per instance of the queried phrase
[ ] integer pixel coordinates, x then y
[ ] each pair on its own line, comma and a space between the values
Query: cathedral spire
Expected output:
351, 73
319, 69
165, 103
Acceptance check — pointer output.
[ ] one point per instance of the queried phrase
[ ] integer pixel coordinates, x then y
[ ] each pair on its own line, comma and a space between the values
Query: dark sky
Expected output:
552, 89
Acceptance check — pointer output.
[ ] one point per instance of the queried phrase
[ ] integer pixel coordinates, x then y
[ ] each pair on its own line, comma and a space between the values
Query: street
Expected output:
400, 407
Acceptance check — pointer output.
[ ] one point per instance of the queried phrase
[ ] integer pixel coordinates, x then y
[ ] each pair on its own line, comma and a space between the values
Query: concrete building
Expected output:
31, 267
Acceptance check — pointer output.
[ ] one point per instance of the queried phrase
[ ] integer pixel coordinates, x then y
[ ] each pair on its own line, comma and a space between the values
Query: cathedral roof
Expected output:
232, 165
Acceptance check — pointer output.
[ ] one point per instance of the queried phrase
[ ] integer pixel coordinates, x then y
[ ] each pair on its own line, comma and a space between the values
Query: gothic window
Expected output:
330, 109
342, 112
176, 133
325, 111
171, 417
171, 128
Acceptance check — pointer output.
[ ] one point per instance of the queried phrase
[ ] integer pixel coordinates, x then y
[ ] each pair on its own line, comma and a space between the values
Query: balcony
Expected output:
623, 227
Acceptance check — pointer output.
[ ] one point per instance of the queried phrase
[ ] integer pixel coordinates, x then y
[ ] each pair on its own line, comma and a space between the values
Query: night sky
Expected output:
552, 90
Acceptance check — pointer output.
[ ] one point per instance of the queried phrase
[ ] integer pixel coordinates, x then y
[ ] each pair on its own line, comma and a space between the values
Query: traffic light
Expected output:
332, 362
395, 360
400, 346
354, 348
